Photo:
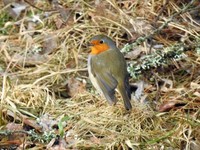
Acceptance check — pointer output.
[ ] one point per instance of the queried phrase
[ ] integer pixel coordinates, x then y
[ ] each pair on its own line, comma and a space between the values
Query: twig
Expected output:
38, 7
160, 58
160, 12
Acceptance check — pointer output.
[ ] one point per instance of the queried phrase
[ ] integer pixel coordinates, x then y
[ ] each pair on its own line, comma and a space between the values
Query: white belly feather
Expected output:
91, 76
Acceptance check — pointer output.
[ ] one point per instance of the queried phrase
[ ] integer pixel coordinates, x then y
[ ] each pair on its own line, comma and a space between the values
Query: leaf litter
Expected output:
45, 101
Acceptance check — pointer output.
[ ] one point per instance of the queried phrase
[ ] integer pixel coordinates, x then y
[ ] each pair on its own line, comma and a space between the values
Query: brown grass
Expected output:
29, 79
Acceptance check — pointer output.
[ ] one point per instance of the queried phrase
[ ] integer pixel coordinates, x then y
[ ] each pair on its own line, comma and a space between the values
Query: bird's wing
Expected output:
107, 84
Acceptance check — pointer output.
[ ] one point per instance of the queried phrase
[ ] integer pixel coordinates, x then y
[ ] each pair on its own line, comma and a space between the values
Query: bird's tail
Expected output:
125, 93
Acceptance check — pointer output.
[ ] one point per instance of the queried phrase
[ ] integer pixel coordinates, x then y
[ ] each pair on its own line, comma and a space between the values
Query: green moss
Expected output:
4, 18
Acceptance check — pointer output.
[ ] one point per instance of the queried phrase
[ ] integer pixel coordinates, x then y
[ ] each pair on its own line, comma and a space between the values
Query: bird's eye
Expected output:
101, 42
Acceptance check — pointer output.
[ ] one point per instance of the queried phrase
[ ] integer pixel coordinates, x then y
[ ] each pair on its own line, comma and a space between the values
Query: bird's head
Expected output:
101, 43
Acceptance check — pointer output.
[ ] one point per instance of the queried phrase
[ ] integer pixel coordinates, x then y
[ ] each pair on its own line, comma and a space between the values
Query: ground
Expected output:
47, 100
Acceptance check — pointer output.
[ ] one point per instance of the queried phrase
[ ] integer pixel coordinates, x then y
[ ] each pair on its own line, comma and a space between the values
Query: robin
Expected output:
108, 70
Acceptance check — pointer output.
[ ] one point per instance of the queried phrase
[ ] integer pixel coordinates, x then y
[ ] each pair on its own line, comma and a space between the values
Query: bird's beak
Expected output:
94, 42
90, 44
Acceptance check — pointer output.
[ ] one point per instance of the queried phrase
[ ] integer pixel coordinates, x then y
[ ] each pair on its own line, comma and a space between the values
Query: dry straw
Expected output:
28, 83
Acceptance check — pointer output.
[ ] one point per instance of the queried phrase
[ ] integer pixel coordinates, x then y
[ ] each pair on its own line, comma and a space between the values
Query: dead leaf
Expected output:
47, 123
10, 143
32, 123
31, 59
141, 26
37, 53
75, 86
49, 45
99, 6
14, 126
167, 106
58, 22
15, 8
65, 13
139, 95
11, 116
71, 137
134, 53
140, 90
15, 138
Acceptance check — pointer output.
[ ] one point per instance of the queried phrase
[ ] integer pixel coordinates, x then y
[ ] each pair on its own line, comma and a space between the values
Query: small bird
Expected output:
108, 70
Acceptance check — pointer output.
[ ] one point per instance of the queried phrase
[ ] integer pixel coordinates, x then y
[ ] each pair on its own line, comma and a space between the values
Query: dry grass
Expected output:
30, 79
